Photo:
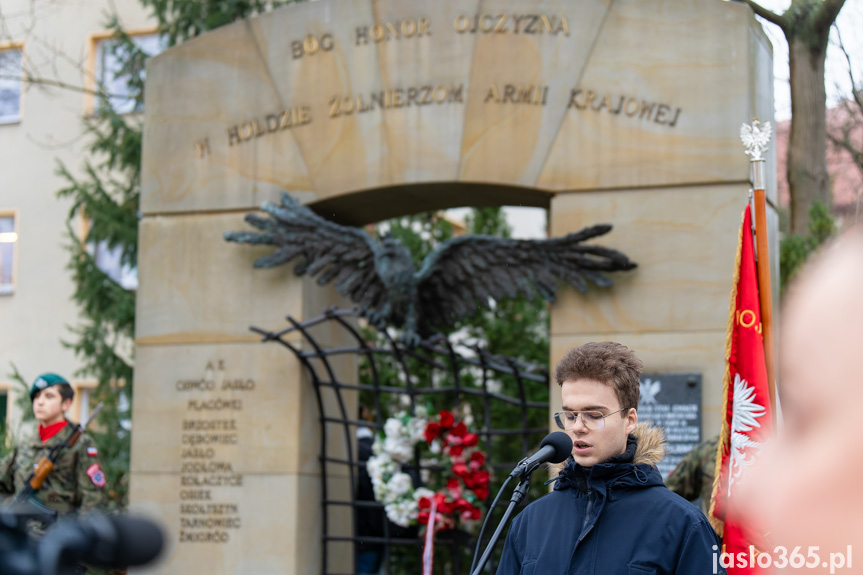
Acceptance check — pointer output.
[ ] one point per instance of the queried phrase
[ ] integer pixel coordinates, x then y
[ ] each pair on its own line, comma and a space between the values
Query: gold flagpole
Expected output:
756, 137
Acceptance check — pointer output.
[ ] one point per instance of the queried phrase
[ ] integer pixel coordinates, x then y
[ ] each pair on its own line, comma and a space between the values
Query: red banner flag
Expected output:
748, 416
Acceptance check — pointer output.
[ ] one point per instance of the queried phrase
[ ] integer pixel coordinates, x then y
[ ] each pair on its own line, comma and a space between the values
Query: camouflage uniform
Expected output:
75, 484
692, 479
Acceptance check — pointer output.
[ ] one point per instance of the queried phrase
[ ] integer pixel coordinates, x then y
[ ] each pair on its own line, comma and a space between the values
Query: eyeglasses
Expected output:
593, 420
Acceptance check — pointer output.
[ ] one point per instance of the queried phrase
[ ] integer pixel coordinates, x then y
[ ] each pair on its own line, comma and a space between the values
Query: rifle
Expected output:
24, 503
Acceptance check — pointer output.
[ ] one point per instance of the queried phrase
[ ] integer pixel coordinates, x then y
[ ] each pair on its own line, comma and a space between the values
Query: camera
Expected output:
96, 539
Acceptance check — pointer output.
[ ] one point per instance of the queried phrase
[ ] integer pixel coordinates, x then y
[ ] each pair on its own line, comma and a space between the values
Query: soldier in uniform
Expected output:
692, 479
77, 481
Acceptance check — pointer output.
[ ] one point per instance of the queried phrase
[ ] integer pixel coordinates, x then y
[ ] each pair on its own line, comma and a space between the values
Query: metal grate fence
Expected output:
507, 400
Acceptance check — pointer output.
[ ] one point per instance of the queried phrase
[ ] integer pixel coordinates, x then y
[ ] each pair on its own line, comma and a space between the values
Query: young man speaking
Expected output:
609, 512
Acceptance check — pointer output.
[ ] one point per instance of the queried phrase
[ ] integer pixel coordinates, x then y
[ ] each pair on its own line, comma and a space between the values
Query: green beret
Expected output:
45, 380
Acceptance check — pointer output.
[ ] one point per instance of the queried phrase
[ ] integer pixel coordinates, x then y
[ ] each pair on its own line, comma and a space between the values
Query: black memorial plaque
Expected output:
672, 401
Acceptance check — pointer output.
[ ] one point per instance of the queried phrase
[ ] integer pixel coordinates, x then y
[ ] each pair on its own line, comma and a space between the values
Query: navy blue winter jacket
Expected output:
616, 517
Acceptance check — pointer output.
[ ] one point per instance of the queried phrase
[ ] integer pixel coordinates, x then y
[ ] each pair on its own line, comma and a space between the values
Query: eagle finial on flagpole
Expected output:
755, 139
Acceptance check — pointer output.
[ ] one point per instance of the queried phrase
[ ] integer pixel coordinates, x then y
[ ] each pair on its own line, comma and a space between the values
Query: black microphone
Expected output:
101, 540
556, 447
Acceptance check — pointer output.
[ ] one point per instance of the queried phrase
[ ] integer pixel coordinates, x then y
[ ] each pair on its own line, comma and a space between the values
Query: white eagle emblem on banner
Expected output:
743, 419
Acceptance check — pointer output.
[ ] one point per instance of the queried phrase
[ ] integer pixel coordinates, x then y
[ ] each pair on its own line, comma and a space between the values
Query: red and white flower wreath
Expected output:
446, 441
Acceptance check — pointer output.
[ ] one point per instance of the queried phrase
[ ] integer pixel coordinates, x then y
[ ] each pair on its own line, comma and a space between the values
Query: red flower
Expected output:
446, 419
432, 432
423, 517
460, 429
477, 460
456, 450
462, 504
443, 506
424, 503
452, 484
460, 469
470, 440
471, 514
479, 483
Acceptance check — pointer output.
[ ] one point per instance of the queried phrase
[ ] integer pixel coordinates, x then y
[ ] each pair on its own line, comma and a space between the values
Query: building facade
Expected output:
52, 56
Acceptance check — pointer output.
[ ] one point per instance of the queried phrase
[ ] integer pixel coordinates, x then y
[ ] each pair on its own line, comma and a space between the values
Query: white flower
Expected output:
393, 428
381, 493
402, 512
435, 447
379, 466
467, 415
418, 429
400, 449
399, 484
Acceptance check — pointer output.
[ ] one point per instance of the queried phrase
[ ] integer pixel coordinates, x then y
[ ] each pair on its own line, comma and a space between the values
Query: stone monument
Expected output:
618, 111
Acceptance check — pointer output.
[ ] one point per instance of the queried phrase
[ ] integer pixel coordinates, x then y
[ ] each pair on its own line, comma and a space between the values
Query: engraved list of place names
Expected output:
210, 435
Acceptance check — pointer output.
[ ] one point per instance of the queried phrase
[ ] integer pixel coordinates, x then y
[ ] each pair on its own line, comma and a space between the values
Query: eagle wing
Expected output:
465, 272
747, 136
330, 251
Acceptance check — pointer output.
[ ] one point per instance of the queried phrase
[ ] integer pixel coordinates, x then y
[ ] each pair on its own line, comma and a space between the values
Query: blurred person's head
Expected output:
822, 344
808, 488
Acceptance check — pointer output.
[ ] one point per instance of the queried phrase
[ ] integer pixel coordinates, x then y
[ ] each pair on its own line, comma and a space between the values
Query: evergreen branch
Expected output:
101, 298
101, 359
23, 400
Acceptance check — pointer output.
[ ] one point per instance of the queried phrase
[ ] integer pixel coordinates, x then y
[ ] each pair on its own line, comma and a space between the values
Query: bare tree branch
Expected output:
856, 89
42, 67
850, 137
34, 81
826, 14
769, 15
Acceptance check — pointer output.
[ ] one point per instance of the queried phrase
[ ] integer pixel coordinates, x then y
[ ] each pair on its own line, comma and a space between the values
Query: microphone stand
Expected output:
517, 496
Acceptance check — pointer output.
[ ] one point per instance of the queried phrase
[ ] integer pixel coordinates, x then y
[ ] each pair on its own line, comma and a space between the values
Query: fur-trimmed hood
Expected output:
651, 444
650, 448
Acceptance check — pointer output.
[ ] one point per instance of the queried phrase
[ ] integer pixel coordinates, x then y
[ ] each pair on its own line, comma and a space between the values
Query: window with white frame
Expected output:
109, 72
11, 74
80, 410
8, 242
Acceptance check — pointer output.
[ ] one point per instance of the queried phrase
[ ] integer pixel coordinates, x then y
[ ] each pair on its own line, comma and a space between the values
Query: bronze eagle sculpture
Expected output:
454, 281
